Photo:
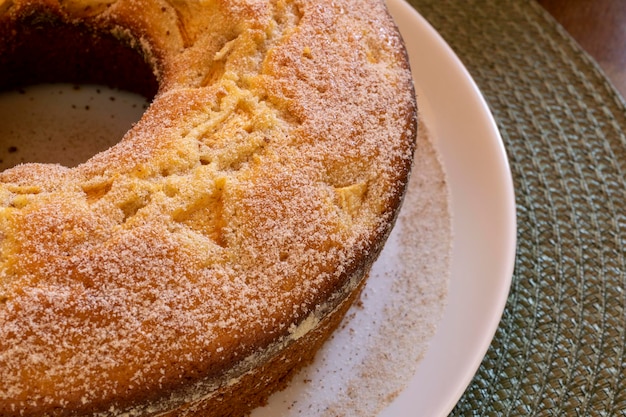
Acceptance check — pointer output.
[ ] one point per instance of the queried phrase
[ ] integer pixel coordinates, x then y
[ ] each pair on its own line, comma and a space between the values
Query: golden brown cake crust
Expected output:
242, 210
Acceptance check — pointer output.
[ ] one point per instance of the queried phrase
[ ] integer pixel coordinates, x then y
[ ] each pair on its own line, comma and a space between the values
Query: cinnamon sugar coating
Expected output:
248, 202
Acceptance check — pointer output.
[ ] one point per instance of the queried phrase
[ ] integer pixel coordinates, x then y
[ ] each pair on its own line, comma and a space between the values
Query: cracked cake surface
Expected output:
239, 215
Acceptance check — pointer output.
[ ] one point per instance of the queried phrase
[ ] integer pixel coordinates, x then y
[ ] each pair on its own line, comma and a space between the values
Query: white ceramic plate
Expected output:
484, 223
483, 213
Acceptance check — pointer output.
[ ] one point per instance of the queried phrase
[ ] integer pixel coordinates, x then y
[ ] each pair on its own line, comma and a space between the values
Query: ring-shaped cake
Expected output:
194, 266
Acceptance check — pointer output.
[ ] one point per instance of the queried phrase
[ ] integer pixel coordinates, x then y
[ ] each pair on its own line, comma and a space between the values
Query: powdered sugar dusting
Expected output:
374, 354
263, 176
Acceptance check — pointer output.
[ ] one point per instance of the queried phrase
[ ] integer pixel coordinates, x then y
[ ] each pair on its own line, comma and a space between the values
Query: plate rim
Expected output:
406, 15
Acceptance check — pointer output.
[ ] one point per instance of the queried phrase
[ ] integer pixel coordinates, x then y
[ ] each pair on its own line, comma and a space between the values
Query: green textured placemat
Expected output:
560, 348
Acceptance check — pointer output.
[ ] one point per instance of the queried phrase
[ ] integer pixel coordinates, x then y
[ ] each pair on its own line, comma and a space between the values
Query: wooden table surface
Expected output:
599, 26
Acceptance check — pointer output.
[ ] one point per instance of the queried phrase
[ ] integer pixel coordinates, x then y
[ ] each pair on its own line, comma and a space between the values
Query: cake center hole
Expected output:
54, 106
64, 123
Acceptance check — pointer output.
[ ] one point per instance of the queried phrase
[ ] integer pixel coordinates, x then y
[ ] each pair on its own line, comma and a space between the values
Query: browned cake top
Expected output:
266, 172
